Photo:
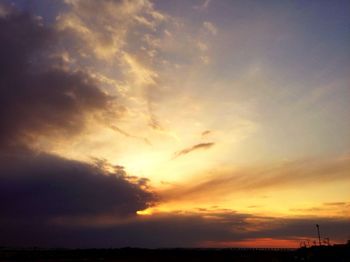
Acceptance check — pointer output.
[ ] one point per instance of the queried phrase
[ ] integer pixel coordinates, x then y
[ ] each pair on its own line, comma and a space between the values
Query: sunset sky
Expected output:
204, 123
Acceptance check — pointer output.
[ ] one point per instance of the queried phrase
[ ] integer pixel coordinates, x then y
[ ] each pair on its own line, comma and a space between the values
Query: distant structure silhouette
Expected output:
319, 235
307, 243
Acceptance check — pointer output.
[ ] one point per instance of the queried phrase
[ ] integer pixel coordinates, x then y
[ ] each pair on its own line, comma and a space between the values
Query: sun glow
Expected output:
145, 212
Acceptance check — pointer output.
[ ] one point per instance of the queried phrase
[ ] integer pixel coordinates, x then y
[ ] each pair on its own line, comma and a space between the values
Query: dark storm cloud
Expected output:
45, 186
36, 190
36, 96
193, 148
174, 230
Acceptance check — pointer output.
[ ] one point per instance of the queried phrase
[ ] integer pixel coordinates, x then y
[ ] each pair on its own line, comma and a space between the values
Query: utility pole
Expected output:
318, 232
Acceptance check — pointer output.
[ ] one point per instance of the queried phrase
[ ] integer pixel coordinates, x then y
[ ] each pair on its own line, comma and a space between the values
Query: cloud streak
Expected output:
300, 172
206, 133
126, 134
193, 148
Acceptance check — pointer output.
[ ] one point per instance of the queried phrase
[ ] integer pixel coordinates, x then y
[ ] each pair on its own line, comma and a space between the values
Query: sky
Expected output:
203, 123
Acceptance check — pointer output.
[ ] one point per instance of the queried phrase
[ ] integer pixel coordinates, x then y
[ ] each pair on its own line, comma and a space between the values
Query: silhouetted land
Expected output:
324, 253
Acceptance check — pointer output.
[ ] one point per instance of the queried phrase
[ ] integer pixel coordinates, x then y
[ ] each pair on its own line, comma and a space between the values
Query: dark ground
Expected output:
326, 253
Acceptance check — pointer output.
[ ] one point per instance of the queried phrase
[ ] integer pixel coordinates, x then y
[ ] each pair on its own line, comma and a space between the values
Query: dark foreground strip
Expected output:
334, 254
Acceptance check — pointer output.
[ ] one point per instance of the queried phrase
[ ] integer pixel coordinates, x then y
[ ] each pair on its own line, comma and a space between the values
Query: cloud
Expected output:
336, 204
175, 230
45, 186
126, 134
5, 9
124, 37
36, 190
193, 148
206, 133
167, 230
142, 75
210, 27
288, 174
335, 228
203, 6
37, 96
41, 100
104, 36
341, 209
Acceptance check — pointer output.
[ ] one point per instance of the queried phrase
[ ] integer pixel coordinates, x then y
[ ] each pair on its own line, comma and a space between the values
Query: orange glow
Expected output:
255, 243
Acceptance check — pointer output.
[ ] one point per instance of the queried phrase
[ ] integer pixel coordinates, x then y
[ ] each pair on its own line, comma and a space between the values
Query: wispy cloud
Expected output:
203, 6
117, 129
341, 209
300, 172
193, 148
206, 133
210, 27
